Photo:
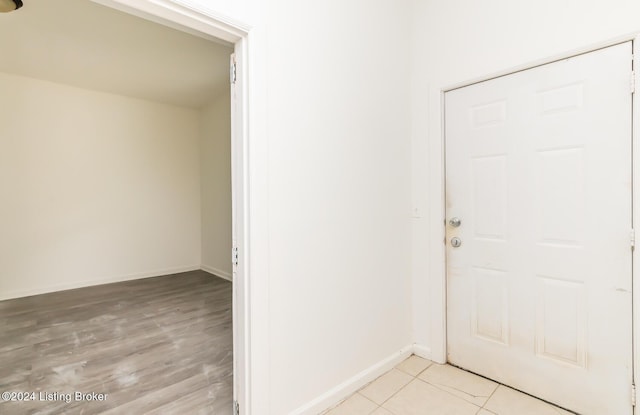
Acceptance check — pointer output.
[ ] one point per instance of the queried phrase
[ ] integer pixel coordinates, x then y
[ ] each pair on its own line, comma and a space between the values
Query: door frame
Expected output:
217, 27
437, 211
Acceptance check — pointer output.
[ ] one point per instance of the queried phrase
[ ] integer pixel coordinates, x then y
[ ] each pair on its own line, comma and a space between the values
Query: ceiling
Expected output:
83, 44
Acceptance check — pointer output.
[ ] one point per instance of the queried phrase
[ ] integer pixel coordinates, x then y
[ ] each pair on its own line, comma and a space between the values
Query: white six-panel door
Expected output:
538, 170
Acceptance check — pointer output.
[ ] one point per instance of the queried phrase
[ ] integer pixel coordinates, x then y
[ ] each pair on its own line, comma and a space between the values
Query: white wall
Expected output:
95, 187
330, 202
215, 184
456, 41
339, 193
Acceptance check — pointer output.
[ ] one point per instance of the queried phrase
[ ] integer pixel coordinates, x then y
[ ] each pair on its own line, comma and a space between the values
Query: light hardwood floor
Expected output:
154, 346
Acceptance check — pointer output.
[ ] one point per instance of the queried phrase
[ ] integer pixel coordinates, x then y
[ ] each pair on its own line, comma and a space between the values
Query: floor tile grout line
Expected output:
380, 407
404, 386
414, 377
551, 404
490, 396
498, 384
425, 369
508, 387
328, 411
363, 396
398, 391
447, 392
388, 410
485, 409
417, 377
431, 363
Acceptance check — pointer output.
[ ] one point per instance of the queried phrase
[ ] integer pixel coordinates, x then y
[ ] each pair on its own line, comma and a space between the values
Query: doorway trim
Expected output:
437, 277
219, 28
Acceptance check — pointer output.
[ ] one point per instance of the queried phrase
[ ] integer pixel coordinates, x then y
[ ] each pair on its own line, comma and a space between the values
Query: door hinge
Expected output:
236, 408
632, 82
633, 394
234, 258
233, 70
632, 237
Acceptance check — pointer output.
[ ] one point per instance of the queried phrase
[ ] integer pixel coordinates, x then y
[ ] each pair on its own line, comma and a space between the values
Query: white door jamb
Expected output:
636, 217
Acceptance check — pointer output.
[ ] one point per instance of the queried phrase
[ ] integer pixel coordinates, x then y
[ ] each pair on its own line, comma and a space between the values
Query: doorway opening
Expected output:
119, 174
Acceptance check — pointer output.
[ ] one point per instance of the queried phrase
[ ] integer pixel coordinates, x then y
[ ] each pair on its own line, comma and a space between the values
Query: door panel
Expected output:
538, 169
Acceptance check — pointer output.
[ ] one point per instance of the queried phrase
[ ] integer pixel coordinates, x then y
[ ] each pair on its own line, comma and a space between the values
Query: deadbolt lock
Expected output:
456, 242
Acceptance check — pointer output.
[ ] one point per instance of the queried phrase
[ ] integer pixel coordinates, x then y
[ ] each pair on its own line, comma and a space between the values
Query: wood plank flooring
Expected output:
155, 346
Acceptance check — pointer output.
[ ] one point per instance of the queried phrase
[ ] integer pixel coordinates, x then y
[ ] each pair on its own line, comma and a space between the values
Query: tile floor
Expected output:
421, 387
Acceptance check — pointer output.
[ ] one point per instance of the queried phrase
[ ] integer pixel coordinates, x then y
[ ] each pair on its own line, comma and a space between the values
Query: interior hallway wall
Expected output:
95, 187
461, 40
339, 193
330, 197
215, 183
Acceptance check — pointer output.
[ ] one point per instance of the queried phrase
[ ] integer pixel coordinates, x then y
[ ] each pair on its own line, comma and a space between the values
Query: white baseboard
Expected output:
422, 351
217, 272
89, 283
345, 389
